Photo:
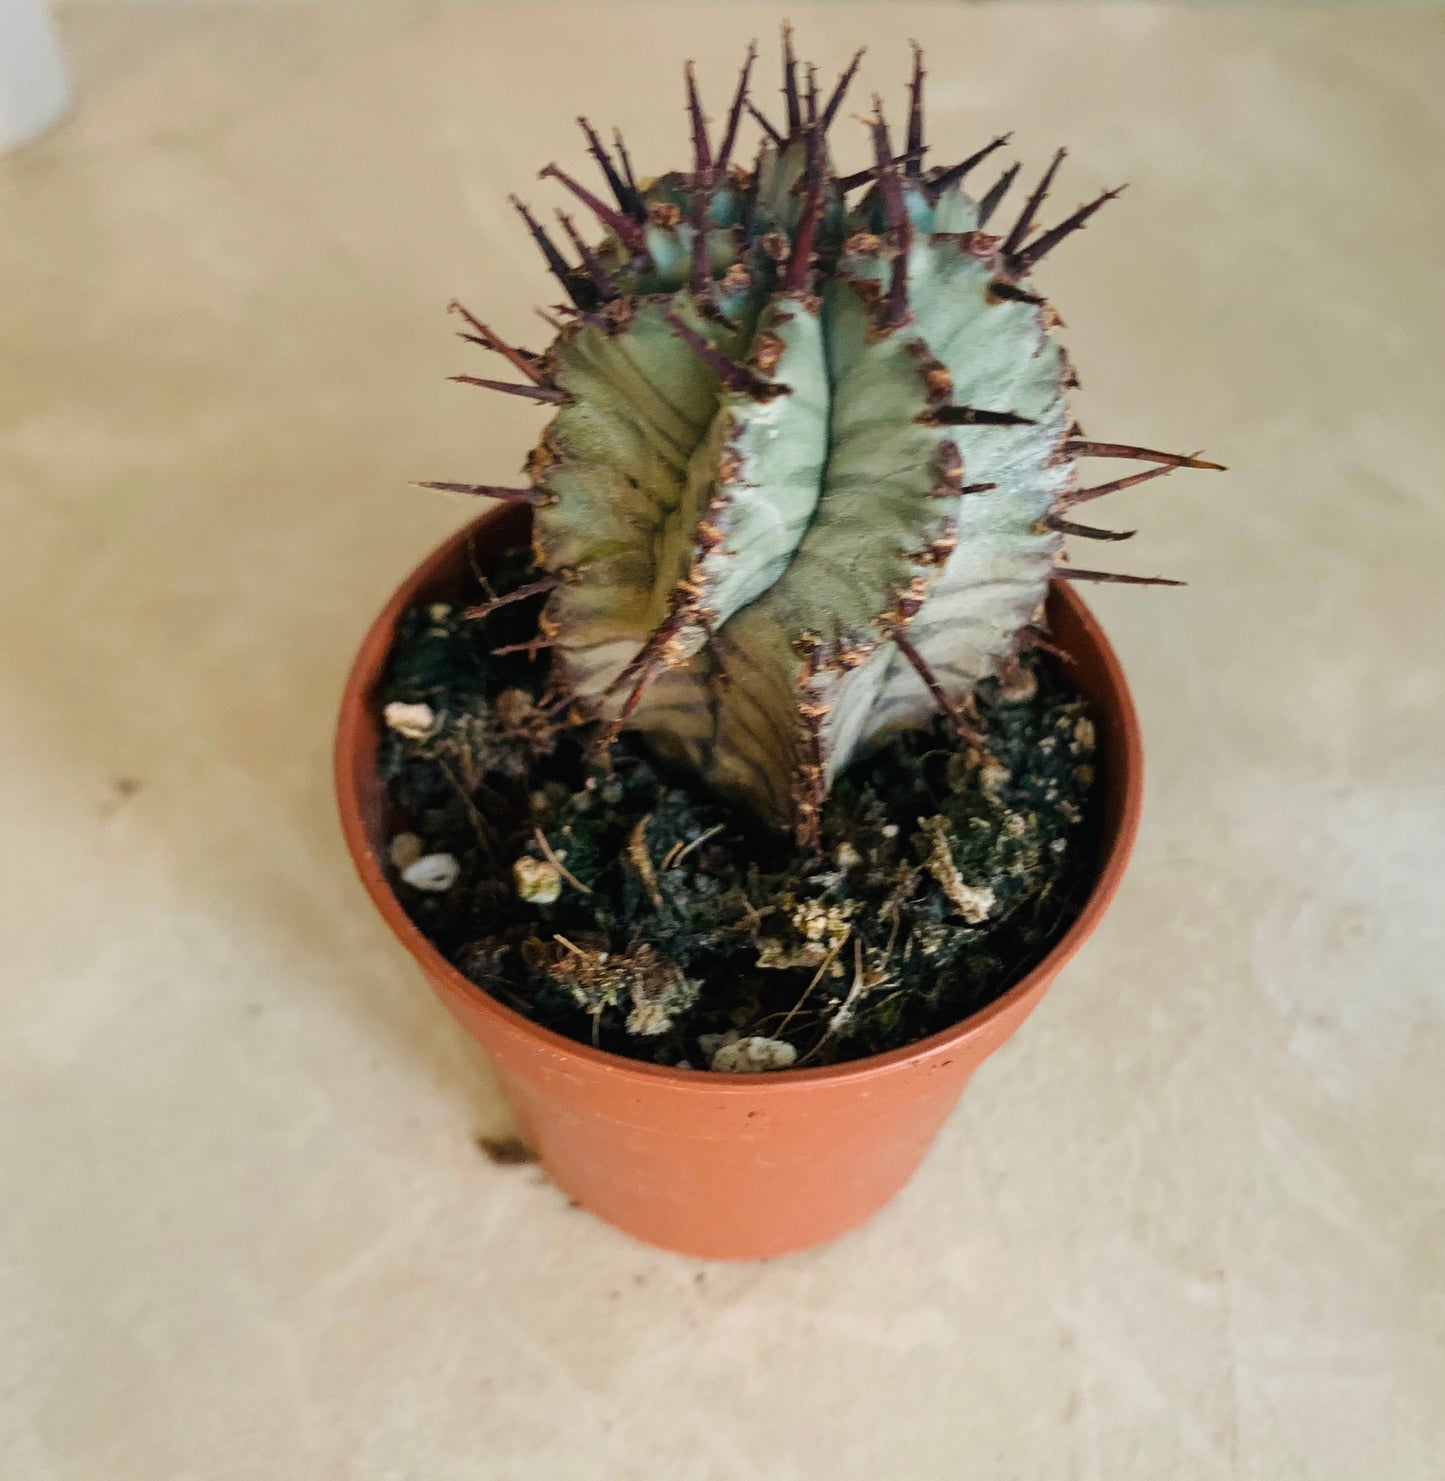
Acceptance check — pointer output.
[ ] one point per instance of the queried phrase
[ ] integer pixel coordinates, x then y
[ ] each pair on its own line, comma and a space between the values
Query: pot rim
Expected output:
364, 672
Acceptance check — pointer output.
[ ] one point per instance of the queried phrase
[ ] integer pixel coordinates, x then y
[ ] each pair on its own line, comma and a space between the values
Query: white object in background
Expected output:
34, 82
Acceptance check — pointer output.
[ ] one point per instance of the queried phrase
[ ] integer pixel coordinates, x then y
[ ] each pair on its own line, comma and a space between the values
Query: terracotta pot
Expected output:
725, 1166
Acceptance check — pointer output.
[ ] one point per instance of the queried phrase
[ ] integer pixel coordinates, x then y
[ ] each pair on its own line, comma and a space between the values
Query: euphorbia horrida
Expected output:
811, 462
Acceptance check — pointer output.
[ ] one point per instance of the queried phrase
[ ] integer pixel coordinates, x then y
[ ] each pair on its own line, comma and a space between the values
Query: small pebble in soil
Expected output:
415, 722
434, 873
538, 881
753, 1055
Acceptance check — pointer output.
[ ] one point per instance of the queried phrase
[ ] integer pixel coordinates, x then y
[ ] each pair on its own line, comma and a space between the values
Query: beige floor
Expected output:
1189, 1225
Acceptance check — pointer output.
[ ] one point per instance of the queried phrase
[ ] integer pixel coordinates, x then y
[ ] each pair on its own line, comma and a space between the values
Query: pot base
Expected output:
726, 1166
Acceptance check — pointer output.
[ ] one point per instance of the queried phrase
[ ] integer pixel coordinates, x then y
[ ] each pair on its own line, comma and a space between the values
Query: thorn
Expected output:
748, 220
900, 227
768, 129
915, 115
626, 196
700, 274
736, 377
1025, 223
1001, 288
811, 97
595, 321
1086, 532
947, 492
642, 669
862, 177
532, 393
882, 144
1082, 449
598, 275
971, 416
735, 113
920, 667
989, 204
840, 89
533, 589
1031, 637
624, 227
520, 360
701, 151
955, 173
576, 287
486, 491
626, 163
1083, 496
531, 647
1040, 247
801, 259
790, 83
1073, 573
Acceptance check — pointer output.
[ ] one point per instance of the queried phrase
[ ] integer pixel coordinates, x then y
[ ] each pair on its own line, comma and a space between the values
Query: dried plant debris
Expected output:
618, 901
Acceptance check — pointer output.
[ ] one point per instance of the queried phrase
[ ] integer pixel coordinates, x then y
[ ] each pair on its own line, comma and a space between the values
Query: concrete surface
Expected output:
1187, 1226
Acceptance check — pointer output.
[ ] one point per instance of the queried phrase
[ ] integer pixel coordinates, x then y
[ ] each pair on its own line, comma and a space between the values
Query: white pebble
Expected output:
415, 722
432, 872
537, 880
750, 1056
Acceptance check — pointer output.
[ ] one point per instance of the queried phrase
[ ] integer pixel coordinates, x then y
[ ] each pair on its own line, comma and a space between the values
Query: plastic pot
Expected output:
725, 1166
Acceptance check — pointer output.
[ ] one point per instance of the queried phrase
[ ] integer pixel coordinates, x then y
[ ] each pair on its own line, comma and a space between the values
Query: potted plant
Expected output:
743, 780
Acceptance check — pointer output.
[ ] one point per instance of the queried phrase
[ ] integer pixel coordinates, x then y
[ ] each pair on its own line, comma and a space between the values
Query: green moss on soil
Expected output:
946, 871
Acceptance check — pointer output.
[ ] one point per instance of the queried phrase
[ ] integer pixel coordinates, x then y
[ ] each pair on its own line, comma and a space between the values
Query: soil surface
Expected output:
620, 903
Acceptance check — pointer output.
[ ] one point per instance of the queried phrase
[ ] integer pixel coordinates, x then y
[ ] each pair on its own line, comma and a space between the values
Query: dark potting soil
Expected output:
621, 903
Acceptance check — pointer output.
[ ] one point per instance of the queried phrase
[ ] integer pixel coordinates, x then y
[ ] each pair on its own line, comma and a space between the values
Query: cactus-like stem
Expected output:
809, 472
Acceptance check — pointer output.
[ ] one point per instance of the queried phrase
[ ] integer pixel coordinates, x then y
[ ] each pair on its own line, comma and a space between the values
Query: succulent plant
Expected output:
811, 463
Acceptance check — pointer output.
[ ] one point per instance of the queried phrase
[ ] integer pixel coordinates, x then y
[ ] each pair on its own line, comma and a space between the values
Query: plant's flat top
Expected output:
1185, 1226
